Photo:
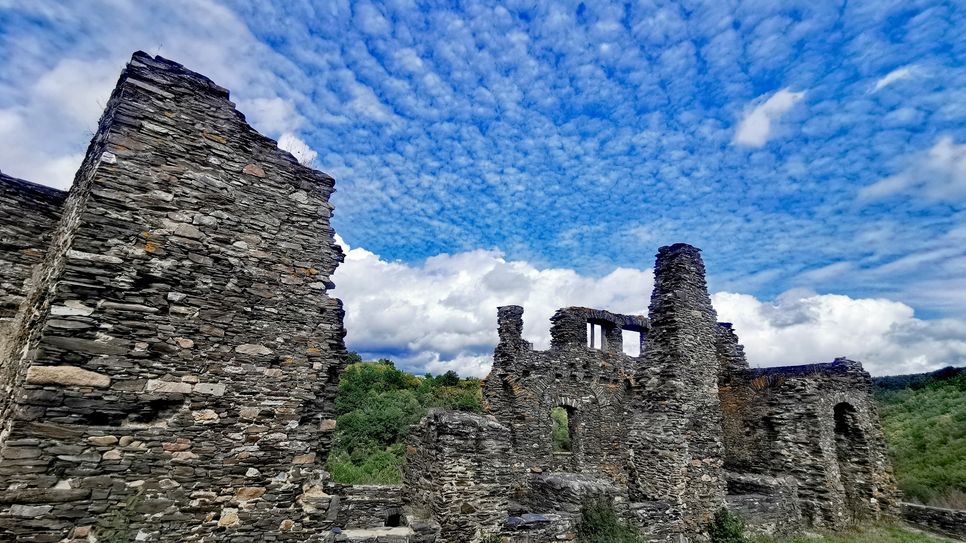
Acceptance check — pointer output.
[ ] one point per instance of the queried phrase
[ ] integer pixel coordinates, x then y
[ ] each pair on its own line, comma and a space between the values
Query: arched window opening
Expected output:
562, 435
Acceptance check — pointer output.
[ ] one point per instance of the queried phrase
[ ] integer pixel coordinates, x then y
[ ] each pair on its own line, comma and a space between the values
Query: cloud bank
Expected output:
440, 314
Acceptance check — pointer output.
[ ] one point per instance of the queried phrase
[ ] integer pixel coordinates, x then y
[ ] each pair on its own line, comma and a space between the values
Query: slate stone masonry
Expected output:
687, 427
182, 352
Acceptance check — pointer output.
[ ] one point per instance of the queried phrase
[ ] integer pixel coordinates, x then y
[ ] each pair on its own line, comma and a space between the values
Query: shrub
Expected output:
599, 523
727, 527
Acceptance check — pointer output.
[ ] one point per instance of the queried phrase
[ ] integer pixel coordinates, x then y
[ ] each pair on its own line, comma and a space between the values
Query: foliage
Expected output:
924, 421
116, 525
727, 527
561, 430
599, 523
869, 534
376, 406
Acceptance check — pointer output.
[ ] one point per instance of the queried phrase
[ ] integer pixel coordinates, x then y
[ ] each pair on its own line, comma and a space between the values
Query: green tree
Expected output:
376, 406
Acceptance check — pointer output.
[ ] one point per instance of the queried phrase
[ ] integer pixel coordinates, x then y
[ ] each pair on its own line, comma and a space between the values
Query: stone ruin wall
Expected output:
30, 212
525, 385
627, 412
788, 448
180, 352
819, 425
175, 357
26, 225
457, 476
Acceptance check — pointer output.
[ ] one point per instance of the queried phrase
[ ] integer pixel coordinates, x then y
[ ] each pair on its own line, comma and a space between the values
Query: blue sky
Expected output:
813, 150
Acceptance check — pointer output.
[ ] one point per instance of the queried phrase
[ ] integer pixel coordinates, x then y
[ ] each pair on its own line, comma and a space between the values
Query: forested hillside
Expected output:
376, 406
924, 420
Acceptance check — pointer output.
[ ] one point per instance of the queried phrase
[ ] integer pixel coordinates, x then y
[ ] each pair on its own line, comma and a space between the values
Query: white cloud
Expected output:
803, 327
441, 314
271, 115
78, 89
371, 21
893, 76
757, 124
939, 174
61, 89
301, 150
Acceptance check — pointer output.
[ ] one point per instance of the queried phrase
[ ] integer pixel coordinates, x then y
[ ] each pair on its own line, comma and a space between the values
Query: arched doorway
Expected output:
852, 454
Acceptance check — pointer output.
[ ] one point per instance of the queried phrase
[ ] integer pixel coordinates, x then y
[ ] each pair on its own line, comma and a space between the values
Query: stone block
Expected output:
66, 376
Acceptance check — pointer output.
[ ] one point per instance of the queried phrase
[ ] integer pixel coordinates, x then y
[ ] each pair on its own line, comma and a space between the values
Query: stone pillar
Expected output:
457, 474
613, 339
182, 353
568, 328
680, 353
510, 327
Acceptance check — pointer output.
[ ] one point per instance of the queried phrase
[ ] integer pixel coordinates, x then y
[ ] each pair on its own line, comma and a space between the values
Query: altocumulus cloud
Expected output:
440, 314
939, 174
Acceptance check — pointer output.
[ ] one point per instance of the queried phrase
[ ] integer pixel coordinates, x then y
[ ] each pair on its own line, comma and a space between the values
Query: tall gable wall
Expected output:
182, 352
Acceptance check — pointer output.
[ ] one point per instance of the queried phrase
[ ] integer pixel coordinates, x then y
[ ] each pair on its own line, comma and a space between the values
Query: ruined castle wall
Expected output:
526, 385
30, 213
818, 424
457, 474
26, 225
175, 375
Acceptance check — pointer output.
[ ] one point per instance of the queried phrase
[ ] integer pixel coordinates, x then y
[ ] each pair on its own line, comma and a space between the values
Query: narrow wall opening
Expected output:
633, 342
562, 433
852, 454
595, 336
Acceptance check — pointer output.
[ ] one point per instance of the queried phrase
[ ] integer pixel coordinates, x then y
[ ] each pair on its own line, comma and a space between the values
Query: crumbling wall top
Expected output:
569, 327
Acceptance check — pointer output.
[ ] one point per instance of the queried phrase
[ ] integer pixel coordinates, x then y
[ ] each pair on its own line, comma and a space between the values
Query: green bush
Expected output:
727, 527
599, 523
376, 406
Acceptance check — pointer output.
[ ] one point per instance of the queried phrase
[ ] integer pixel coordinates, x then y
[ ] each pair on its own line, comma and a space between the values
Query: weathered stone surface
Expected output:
66, 376
255, 350
948, 522
121, 361
457, 469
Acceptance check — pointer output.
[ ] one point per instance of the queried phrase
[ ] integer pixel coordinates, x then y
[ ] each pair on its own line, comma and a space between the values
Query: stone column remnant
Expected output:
679, 417
457, 474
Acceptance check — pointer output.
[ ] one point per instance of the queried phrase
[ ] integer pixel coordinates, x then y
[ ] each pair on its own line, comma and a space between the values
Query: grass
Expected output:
872, 534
